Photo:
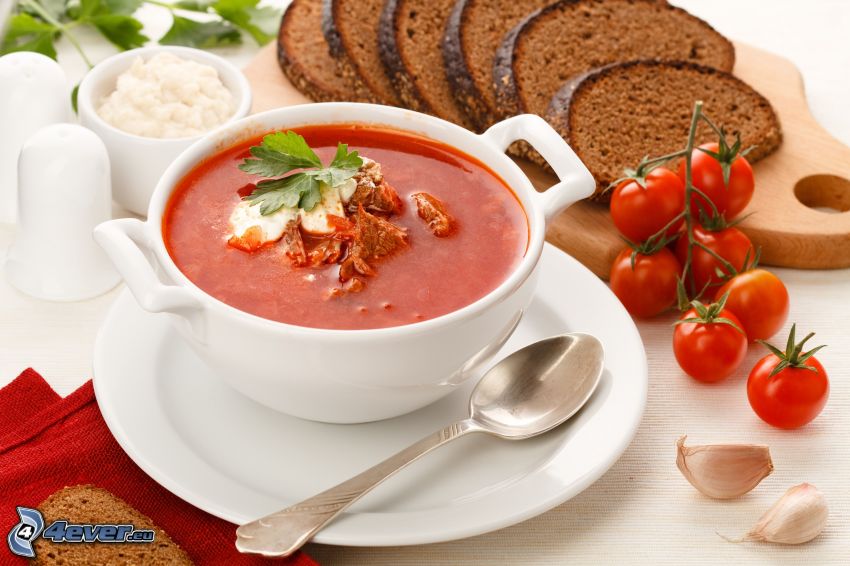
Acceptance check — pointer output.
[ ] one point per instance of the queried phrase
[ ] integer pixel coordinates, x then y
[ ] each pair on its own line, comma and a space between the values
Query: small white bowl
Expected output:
138, 162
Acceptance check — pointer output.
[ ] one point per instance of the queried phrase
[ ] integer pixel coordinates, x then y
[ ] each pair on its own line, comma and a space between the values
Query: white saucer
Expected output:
239, 460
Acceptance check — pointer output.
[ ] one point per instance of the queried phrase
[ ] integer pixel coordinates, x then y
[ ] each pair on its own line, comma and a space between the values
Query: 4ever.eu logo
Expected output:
31, 525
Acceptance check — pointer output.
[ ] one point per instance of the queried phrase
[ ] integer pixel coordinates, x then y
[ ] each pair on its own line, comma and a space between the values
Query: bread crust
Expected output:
466, 93
394, 64
330, 29
562, 115
504, 75
504, 80
296, 71
347, 65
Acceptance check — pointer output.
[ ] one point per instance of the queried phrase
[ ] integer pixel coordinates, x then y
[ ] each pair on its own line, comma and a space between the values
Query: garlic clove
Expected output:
799, 516
723, 471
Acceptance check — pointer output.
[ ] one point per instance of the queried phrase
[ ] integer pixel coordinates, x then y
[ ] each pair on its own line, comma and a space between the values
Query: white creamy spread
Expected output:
316, 221
346, 190
247, 215
167, 97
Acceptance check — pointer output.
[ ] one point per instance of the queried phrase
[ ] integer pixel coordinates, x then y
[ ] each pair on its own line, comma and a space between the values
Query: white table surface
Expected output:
642, 511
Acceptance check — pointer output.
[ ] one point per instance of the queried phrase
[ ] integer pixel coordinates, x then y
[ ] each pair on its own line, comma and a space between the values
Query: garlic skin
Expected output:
723, 471
799, 516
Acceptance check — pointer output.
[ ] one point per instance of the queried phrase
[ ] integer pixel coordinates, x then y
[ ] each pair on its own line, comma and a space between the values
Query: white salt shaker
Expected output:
63, 193
33, 93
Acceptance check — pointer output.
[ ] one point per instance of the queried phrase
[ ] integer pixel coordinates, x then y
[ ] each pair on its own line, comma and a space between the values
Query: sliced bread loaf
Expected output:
570, 37
473, 33
409, 40
304, 56
351, 28
614, 116
87, 504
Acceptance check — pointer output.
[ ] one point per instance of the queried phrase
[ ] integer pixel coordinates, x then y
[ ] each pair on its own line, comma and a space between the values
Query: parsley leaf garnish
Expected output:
260, 23
345, 160
26, 33
281, 153
36, 25
298, 190
194, 33
121, 30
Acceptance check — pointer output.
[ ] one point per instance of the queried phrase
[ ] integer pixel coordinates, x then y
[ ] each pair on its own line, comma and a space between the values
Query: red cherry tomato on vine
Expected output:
795, 394
649, 288
712, 350
639, 212
760, 301
707, 176
729, 243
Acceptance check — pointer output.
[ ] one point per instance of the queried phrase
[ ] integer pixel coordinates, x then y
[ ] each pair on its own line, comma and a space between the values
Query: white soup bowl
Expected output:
348, 376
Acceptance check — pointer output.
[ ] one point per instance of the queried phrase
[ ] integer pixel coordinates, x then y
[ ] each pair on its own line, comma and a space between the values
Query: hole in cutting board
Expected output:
825, 193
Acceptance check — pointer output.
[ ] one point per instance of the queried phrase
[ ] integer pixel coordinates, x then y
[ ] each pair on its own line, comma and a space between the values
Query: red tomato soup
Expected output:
430, 277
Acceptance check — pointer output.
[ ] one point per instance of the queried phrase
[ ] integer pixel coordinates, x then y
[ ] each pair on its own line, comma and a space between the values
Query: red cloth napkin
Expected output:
47, 443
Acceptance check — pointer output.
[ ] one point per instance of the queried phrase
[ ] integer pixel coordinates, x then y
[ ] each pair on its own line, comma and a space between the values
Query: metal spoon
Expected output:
530, 392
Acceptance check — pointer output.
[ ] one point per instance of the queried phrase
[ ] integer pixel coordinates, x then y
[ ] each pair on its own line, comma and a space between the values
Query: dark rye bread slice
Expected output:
409, 39
473, 34
571, 37
87, 504
614, 116
305, 59
351, 28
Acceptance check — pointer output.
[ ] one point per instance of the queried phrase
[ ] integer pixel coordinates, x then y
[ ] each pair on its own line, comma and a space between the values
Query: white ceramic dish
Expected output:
139, 162
239, 460
332, 375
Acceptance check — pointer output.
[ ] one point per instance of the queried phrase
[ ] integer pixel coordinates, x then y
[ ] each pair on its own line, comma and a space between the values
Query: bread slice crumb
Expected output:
614, 116
87, 504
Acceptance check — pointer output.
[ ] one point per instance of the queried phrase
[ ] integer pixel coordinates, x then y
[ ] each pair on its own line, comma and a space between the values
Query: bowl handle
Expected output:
124, 241
576, 182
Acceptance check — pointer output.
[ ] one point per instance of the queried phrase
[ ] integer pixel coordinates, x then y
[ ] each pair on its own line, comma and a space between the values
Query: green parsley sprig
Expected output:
36, 25
281, 153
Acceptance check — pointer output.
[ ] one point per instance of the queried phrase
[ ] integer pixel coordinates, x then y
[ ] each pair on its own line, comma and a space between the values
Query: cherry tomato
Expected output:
649, 288
707, 176
639, 212
793, 396
760, 301
730, 243
709, 351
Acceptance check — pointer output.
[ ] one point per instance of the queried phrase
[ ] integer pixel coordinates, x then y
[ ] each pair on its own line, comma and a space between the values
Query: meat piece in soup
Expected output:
372, 191
374, 238
293, 244
434, 213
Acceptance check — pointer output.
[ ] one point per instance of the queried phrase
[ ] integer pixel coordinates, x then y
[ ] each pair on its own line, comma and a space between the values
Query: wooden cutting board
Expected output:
810, 170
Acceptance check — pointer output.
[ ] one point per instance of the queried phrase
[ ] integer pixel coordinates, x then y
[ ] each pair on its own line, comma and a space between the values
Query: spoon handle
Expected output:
284, 532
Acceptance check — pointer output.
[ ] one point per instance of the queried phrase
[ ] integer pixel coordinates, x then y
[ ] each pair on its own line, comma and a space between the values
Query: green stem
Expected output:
689, 190
45, 15
672, 222
165, 5
715, 212
172, 8
730, 269
665, 158
712, 126
662, 234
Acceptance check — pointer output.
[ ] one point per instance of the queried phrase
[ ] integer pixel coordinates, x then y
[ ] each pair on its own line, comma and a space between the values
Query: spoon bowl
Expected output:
538, 387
